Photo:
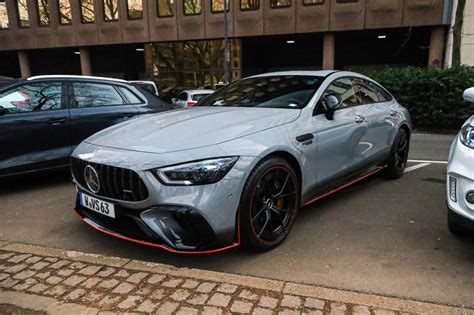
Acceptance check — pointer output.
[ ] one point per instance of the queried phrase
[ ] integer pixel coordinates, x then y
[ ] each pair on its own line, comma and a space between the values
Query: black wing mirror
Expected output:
332, 103
3, 110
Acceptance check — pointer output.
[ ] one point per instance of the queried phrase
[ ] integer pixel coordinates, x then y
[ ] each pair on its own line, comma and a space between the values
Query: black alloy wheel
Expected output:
398, 155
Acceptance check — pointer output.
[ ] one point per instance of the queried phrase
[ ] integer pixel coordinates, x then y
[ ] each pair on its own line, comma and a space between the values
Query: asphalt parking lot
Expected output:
378, 236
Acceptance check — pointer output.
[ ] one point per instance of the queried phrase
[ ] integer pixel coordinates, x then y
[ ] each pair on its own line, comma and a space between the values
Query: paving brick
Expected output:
65, 272
289, 312
92, 296
8, 283
314, 303
57, 291
262, 311
107, 271
33, 260
74, 280
122, 274
91, 282
167, 308
315, 312
291, 301
242, 307
40, 265
211, 310
89, 270
38, 288
180, 295
198, 299
24, 274
337, 308
75, 294
108, 284
130, 302
219, 299
3, 276
187, 311
227, 288
147, 306
172, 283
18, 258
378, 311
43, 275
60, 264
360, 310
248, 295
25, 284
16, 268
137, 277
206, 287
77, 265
269, 302
156, 279
109, 300
54, 280
145, 289
4, 256
51, 259
158, 294
124, 288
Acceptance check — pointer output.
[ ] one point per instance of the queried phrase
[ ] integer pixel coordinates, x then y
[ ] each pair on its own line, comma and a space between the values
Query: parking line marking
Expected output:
428, 161
415, 167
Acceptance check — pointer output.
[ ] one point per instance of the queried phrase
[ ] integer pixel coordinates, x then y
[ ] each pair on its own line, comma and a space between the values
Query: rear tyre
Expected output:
455, 227
397, 160
269, 204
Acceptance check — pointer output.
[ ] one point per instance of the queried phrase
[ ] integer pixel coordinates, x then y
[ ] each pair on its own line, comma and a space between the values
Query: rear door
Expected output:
95, 106
35, 130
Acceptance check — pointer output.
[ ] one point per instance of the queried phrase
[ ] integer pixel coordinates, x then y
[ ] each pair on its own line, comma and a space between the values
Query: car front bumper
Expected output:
461, 171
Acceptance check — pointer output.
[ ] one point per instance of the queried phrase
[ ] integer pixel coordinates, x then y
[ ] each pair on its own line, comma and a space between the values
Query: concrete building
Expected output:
467, 35
180, 41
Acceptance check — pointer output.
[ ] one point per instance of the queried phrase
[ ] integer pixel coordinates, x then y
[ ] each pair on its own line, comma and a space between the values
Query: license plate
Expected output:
97, 205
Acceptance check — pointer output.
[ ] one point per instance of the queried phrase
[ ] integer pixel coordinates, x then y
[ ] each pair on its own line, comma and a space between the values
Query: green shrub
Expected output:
433, 96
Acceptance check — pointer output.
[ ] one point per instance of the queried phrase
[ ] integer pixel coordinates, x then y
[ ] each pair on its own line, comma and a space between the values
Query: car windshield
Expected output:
290, 91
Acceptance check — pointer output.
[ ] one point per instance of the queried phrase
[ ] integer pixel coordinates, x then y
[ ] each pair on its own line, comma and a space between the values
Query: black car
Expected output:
43, 118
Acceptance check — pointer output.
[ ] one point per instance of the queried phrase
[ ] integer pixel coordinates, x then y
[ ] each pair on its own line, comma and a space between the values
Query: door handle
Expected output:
393, 113
305, 137
359, 119
57, 121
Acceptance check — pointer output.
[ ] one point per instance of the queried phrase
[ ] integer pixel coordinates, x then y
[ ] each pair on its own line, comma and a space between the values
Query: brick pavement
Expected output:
56, 281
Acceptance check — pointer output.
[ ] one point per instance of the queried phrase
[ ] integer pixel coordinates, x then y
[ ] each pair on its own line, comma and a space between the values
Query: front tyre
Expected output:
269, 204
397, 160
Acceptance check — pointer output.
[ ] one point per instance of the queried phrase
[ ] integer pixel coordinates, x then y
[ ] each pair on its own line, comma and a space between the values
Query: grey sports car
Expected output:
236, 168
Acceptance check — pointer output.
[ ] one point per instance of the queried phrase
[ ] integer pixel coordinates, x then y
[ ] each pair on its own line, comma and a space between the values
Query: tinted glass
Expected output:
65, 14
32, 97
3, 15
218, 6
110, 10
279, 3
23, 18
132, 98
43, 12
192, 7
135, 9
366, 91
384, 96
345, 91
183, 97
247, 5
197, 97
87, 11
165, 8
313, 2
93, 94
149, 87
271, 91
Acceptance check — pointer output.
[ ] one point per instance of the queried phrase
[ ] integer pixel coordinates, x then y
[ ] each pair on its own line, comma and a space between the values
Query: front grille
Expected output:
115, 182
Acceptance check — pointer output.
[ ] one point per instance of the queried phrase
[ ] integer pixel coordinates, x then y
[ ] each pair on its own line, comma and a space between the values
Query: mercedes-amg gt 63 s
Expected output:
237, 167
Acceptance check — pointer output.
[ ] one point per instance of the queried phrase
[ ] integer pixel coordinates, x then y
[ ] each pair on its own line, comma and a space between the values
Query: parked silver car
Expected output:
237, 168
460, 177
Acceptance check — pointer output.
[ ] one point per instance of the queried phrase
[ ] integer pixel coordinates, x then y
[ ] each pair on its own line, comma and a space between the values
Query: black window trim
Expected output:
129, 102
59, 14
38, 14
18, 18
193, 14
128, 12
82, 15
249, 9
164, 16
104, 15
8, 19
318, 102
312, 4
220, 11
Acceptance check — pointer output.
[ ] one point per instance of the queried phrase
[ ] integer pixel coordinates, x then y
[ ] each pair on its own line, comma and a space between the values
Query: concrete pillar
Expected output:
329, 47
86, 68
24, 60
437, 47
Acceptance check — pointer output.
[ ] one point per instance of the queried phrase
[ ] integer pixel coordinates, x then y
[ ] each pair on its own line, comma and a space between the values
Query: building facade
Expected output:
180, 41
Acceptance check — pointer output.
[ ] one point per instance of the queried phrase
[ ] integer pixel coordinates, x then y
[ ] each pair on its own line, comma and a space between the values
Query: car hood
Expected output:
191, 128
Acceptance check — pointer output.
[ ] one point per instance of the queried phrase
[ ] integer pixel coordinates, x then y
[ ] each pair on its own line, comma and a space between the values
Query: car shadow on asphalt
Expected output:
31, 181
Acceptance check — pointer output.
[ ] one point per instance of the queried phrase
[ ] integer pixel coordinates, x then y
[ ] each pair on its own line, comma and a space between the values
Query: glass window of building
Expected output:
346, 1
3, 15
274, 4
217, 6
23, 18
313, 2
65, 14
135, 9
110, 10
192, 7
43, 12
165, 8
87, 11
249, 5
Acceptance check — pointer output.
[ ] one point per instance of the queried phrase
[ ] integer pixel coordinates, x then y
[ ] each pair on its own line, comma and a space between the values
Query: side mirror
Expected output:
469, 95
173, 100
332, 103
3, 110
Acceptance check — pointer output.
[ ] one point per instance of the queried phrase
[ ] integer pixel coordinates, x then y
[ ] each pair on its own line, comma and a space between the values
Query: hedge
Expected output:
433, 96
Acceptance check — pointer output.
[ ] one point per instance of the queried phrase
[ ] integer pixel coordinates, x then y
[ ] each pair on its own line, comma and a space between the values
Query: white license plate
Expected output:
97, 205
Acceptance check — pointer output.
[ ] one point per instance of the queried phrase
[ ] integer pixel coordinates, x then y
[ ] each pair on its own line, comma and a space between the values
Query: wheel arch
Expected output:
291, 159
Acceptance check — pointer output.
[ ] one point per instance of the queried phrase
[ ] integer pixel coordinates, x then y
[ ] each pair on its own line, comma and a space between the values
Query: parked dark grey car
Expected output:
43, 118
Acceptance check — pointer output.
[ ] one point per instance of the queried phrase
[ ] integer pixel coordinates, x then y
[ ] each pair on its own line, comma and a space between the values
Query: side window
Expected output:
132, 98
32, 97
366, 91
183, 96
95, 94
384, 96
345, 91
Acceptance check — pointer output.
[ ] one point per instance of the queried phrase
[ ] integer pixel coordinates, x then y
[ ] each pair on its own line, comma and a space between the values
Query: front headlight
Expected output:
467, 136
196, 173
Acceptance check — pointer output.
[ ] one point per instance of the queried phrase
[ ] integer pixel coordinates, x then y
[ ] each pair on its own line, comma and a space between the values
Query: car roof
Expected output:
142, 81
79, 77
319, 73
200, 91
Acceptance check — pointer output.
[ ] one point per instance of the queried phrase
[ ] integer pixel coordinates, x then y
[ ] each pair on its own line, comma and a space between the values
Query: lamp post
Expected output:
227, 64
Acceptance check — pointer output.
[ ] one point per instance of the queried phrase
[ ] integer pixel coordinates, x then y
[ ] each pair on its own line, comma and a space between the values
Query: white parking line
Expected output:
415, 167
428, 161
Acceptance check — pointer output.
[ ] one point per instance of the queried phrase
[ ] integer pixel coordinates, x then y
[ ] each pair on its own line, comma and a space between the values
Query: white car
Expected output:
460, 178
150, 86
190, 98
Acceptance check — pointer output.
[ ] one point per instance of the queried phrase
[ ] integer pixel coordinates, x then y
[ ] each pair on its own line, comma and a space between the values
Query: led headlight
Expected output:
196, 173
467, 136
